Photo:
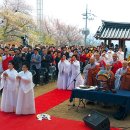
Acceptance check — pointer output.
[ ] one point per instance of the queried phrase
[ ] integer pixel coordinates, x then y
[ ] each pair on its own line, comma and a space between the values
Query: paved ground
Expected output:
62, 109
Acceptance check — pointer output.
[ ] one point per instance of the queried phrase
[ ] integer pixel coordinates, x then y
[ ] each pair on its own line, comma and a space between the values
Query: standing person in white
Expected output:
63, 74
110, 55
75, 74
104, 56
8, 83
25, 102
120, 54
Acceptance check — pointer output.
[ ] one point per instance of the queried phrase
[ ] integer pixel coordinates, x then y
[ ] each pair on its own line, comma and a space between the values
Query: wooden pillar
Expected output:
122, 44
105, 42
119, 43
109, 43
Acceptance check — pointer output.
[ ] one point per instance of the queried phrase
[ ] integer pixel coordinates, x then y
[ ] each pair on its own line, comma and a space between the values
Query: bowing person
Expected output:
63, 67
25, 102
8, 83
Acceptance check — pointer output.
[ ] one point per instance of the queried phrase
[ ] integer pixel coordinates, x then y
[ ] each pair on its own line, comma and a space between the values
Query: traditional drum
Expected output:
106, 79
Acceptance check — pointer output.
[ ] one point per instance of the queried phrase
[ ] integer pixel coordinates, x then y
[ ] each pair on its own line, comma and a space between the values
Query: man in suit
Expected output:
18, 60
36, 65
46, 62
24, 55
28, 56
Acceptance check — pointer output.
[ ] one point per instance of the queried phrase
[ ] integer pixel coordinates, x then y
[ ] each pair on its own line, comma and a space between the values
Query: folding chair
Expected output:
52, 72
43, 75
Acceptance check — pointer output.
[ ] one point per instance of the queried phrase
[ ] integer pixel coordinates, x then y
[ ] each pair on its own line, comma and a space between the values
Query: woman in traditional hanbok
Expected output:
8, 83
63, 75
25, 102
74, 74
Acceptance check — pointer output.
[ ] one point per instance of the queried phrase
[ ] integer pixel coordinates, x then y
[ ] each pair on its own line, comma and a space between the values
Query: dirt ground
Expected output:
64, 110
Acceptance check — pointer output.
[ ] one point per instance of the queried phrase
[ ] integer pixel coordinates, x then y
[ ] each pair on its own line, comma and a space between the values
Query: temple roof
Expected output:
113, 31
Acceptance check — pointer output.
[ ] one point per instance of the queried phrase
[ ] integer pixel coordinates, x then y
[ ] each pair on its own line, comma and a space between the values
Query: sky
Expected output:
70, 11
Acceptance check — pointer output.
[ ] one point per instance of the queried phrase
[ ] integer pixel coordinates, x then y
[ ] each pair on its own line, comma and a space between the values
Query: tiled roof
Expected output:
113, 30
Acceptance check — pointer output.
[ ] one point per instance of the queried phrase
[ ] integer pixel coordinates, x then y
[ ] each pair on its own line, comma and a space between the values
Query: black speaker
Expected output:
97, 121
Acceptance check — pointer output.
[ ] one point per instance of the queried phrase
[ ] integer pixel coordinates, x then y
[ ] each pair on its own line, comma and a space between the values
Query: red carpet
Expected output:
43, 103
13, 122
51, 99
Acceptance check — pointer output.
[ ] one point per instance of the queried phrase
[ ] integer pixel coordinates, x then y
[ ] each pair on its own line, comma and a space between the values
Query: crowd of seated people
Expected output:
113, 74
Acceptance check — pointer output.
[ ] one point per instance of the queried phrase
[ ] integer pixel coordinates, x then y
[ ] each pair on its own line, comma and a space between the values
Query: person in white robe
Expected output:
119, 73
110, 56
25, 102
1, 68
120, 54
74, 74
91, 65
99, 62
63, 74
104, 57
8, 84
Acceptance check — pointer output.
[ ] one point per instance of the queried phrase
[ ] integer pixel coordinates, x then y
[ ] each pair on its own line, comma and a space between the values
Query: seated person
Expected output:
129, 65
125, 79
104, 56
119, 73
116, 64
99, 61
91, 65
108, 76
90, 72
128, 59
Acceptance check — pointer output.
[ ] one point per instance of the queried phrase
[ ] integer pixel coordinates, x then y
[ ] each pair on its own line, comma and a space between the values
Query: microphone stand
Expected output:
74, 80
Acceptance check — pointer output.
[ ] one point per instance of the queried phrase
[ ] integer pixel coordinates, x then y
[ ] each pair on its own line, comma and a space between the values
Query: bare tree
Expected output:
17, 6
61, 33
67, 34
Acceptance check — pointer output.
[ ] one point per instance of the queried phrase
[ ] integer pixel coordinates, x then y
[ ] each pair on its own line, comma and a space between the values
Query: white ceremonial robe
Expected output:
63, 74
120, 55
9, 94
110, 56
85, 72
104, 58
25, 102
118, 74
75, 74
